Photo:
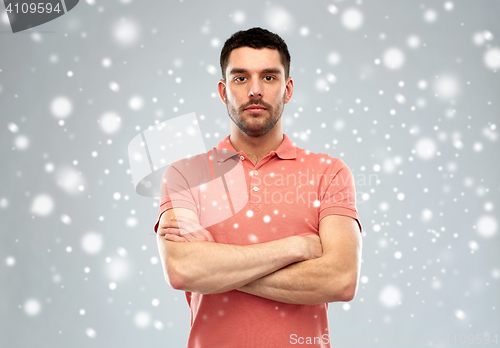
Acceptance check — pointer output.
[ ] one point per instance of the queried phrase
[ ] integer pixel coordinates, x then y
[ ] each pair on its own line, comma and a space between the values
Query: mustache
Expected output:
256, 102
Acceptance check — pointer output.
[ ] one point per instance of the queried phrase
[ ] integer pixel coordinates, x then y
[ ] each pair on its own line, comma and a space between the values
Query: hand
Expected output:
313, 248
184, 229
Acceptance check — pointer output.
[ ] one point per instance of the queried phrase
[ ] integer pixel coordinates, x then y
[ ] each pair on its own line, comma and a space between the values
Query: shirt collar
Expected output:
286, 150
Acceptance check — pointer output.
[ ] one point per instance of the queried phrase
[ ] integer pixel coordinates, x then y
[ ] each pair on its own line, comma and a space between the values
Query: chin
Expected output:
256, 132
255, 135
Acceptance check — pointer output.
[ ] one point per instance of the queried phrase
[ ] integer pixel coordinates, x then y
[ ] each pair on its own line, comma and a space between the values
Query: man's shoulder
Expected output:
193, 168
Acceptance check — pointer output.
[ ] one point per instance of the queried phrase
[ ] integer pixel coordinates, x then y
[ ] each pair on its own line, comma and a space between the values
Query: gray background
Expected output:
430, 244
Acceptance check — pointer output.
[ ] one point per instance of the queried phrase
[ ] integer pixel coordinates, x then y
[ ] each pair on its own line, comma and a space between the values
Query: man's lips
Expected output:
255, 109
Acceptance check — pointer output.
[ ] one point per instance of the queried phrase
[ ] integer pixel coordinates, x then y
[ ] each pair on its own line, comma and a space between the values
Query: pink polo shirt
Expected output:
287, 193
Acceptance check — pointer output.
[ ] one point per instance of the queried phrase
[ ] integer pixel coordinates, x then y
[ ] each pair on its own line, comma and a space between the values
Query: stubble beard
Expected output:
274, 114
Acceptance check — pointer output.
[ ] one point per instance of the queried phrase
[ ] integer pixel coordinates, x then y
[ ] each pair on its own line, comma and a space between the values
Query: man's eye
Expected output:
269, 78
239, 79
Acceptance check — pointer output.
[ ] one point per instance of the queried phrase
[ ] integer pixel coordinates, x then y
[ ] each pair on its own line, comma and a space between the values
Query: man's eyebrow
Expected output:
272, 71
265, 71
238, 71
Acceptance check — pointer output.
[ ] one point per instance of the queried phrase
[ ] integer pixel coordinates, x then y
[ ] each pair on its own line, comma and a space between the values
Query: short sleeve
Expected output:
339, 196
175, 192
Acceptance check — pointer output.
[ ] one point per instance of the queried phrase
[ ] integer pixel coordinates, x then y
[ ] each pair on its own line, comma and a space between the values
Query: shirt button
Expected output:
242, 158
256, 188
256, 173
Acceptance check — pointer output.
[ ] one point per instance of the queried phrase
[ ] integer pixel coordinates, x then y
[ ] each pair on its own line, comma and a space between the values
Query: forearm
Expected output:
308, 282
214, 267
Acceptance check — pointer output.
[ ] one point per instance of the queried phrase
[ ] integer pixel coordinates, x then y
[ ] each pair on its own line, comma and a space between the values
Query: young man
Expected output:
264, 276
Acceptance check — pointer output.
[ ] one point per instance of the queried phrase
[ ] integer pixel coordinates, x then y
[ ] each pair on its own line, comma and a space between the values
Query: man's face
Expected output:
255, 89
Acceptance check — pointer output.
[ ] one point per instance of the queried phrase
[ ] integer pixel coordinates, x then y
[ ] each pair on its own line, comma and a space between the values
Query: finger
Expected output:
171, 223
192, 237
175, 238
164, 219
191, 226
194, 227
210, 238
175, 231
200, 236
205, 235
162, 231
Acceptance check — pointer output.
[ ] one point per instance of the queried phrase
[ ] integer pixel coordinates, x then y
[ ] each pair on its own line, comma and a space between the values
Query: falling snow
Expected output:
110, 122
390, 296
487, 226
32, 307
409, 102
126, 32
352, 18
42, 205
393, 58
142, 319
61, 107
91, 242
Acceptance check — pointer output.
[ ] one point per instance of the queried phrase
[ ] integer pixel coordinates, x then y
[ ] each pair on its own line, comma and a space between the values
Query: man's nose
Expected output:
255, 89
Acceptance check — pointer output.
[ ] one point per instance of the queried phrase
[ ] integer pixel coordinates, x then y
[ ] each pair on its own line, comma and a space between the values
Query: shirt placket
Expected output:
256, 175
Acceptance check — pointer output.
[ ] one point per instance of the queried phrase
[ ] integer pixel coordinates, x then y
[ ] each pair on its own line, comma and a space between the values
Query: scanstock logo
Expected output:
28, 14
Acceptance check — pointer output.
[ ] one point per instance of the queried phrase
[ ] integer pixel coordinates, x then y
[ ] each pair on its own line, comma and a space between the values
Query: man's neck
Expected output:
256, 147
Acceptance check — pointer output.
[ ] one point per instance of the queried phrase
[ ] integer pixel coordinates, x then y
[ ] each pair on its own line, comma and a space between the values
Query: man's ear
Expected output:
221, 88
288, 89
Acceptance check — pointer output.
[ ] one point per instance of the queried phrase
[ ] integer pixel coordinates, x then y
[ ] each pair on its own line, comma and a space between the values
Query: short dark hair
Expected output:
255, 38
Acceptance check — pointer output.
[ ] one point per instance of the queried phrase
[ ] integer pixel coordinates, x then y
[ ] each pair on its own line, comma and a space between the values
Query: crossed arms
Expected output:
297, 269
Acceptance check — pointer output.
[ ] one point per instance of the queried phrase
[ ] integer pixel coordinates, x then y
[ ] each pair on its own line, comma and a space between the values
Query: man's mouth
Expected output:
255, 109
